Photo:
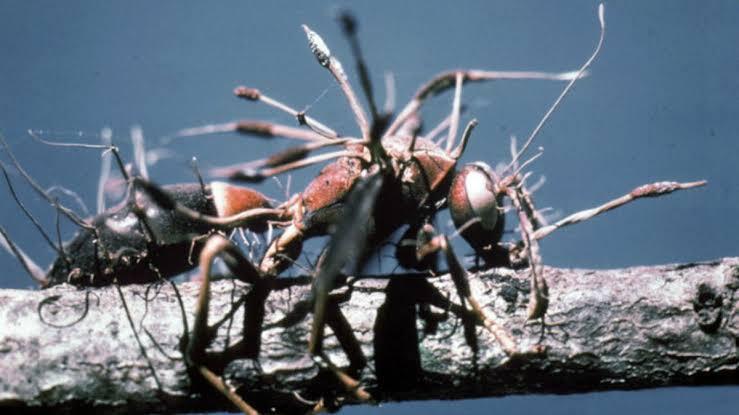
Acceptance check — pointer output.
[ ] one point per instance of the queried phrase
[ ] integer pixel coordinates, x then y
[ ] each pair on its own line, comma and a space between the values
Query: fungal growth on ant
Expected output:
393, 177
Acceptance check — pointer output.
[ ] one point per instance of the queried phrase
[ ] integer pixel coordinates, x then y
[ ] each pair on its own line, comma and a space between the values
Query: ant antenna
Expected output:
566, 90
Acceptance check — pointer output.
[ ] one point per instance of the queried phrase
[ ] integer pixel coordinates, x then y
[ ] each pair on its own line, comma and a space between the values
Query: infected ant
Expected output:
140, 240
391, 177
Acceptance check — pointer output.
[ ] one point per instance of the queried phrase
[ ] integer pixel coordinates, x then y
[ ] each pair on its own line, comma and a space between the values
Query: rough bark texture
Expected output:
606, 329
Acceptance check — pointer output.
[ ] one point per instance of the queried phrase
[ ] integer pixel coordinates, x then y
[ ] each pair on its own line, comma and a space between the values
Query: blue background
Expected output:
661, 104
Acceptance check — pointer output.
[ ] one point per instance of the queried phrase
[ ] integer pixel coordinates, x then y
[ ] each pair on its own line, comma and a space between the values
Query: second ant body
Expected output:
141, 239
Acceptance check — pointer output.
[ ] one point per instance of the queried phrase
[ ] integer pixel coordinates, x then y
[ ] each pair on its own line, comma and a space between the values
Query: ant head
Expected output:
475, 206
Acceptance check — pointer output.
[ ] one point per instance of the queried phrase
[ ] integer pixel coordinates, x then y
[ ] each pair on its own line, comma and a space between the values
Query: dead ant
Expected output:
392, 177
140, 239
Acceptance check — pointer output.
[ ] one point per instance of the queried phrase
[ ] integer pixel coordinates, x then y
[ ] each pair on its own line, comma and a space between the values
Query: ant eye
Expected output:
473, 205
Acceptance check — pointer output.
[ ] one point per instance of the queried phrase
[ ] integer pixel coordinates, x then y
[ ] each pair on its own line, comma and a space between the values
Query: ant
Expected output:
393, 177
139, 240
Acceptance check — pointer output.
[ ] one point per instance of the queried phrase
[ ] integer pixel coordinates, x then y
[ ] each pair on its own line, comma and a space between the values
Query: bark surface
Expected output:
64, 349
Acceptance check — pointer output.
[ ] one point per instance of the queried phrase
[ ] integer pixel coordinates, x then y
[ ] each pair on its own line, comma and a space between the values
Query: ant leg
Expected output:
338, 323
341, 328
428, 243
216, 246
131, 324
201, 334
283, 250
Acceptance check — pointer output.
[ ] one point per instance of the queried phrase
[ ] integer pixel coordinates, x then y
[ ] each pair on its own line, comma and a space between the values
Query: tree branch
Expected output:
611, 329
